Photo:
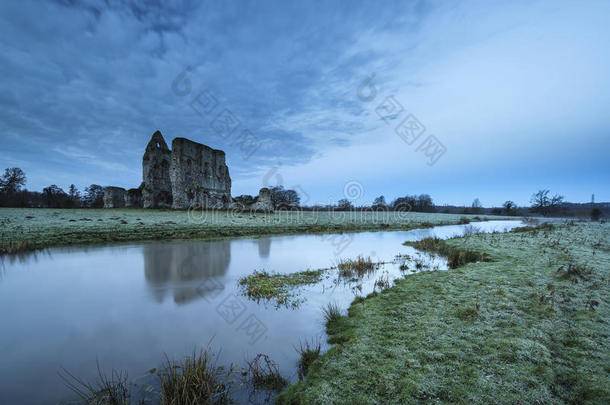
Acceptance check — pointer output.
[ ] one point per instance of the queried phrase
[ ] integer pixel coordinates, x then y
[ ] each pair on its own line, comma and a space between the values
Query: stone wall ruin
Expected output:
189, 175
199, 176
157, 185
114, 197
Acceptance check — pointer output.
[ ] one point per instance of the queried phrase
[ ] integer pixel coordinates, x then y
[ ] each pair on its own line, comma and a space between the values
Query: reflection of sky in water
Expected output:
128, 305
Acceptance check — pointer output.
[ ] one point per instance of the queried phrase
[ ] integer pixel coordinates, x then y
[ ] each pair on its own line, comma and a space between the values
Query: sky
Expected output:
456, 99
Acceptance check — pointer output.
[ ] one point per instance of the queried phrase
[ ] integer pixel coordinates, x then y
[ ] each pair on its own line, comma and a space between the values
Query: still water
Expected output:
128, 306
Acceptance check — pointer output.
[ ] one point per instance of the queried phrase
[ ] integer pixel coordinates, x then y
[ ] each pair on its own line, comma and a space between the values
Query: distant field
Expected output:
530, 326
28, 229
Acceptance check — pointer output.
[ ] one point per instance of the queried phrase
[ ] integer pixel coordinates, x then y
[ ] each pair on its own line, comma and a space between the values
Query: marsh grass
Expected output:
352, 268
13, 247
195, 380
358, 299
382, 282
456, 256
280, 288
533, 226
264, 374
309, 354
113, 389
332, 313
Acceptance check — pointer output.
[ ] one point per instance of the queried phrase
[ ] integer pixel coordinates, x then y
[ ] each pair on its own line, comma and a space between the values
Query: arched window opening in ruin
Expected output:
158, 145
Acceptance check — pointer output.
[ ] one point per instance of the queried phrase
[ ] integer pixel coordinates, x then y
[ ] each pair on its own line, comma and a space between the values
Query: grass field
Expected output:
23, 229
529, 326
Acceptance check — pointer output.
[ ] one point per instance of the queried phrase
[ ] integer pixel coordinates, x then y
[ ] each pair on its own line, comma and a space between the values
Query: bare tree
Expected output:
543, 204
476, 206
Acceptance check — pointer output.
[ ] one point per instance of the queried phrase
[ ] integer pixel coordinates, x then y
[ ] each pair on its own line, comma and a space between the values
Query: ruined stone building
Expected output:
188, 175
199, 176
156, 185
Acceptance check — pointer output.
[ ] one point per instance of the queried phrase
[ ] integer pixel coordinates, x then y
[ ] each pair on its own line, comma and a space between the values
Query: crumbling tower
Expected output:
157, 185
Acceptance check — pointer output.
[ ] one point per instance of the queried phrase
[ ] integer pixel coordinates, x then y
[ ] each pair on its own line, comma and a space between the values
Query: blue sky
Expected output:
516, 94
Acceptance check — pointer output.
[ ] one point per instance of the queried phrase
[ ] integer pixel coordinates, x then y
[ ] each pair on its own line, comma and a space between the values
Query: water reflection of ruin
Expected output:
189, 269
264, 247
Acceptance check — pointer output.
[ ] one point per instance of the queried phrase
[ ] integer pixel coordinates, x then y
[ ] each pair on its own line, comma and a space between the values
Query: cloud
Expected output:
506, 88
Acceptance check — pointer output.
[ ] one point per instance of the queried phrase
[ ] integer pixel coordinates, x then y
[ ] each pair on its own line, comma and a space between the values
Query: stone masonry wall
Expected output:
157, 190
133, 198
199, 176
189, 175
114, 197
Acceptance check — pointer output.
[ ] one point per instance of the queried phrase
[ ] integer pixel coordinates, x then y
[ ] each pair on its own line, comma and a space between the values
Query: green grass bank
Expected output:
531, 325
23, 229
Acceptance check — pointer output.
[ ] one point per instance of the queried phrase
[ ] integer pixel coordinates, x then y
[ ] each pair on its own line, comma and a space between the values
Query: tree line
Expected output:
14, 194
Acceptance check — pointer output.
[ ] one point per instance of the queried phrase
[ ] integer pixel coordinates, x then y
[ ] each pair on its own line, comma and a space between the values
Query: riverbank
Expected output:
530, 325
23, 229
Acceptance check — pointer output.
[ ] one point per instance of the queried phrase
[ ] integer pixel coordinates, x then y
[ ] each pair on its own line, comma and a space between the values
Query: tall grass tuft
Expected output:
195, 380
358, 267
265, 374
382, 282
310, 353
332, 313
108, 390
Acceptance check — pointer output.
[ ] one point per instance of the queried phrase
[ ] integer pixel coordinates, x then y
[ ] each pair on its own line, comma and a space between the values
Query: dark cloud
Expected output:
86, 83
